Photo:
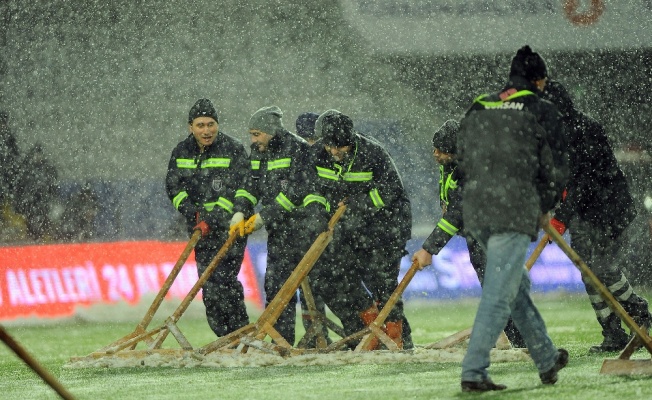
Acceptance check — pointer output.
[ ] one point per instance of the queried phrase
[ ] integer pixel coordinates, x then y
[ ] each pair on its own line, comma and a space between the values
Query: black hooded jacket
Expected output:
379, 211
206, 182
597, 190
282, 179
512, 152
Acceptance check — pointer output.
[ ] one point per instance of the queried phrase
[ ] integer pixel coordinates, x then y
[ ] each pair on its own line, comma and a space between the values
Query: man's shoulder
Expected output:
229, 140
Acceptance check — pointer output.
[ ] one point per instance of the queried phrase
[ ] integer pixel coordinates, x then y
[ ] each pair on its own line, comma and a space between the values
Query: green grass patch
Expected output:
569, 318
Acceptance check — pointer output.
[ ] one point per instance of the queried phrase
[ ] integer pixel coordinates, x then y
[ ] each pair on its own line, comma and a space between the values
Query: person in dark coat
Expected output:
305, 125
282, 183
511, 184
371, 236
77, 223
37, 193
9, 161
597, 210
204, 172
451, 223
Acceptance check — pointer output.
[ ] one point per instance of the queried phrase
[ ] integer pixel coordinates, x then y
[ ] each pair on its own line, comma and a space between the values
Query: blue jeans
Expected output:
506, 290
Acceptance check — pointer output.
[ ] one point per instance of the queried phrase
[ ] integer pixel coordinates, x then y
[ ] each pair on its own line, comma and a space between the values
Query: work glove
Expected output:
201, 225
558, 225
237, 224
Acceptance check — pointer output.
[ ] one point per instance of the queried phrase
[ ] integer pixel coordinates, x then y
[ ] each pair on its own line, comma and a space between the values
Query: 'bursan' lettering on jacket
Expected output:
508, 105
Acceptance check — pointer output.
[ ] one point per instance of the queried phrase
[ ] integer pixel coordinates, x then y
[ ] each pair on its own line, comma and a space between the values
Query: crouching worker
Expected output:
370, 239
281, 182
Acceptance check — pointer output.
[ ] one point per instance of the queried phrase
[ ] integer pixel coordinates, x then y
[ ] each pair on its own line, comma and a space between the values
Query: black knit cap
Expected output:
528, 64
306, 125
202, 108
559, 96
445, 138
337, 130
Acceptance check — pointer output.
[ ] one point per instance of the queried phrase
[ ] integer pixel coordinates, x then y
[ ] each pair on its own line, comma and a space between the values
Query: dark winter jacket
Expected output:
511, 174
597, 190
282, 180
450, 198
378, 208
207, 182
10, 165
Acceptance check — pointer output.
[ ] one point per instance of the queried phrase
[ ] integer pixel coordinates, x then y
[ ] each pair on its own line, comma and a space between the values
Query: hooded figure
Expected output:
597, 208
306, 126
528, 64
446, 137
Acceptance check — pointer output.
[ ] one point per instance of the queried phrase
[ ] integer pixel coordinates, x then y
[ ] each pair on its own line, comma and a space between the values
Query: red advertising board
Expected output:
51, 280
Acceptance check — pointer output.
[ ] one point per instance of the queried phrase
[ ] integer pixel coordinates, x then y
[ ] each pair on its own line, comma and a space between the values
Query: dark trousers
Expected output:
339, 284
286, 246
223, 294
603, 255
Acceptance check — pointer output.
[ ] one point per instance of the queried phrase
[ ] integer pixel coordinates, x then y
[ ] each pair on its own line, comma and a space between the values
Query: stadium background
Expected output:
106, 86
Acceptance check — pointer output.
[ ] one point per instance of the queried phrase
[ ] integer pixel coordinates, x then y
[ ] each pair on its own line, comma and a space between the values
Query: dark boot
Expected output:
615, 338
514, 335
638, 310
368, 316
550, 377
483, 386
407, 335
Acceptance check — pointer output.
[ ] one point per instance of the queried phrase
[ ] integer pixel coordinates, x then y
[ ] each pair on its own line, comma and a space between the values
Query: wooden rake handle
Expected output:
34, 365
600, 287
537, 252
276, 306
387, 308
169, 281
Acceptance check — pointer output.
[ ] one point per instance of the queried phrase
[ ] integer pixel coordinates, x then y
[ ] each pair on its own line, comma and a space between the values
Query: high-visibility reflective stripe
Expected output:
446, 183
222, 202
285, 202
312, 198
447, 227
376, 199
186, 163
176, 201
357, 176
520, 93
246, 195
327, 173
255, 164
216, 163
280, 163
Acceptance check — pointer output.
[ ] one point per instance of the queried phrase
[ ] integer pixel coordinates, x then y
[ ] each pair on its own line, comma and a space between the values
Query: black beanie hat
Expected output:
337, 130
306, 125
528, 64
445, 138
559, 96
202, 108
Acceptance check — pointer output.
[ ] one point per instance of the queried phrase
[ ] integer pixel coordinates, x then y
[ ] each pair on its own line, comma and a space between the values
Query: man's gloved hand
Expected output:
258, 222
201, 225
237, 223
558, 225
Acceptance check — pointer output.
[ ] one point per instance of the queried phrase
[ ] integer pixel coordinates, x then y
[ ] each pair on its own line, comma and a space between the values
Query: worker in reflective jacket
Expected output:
451, 222
370, 241
281, 184
204, 173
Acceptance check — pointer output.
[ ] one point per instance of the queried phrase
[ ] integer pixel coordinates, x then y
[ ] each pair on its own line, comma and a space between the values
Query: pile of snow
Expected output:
255, 358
